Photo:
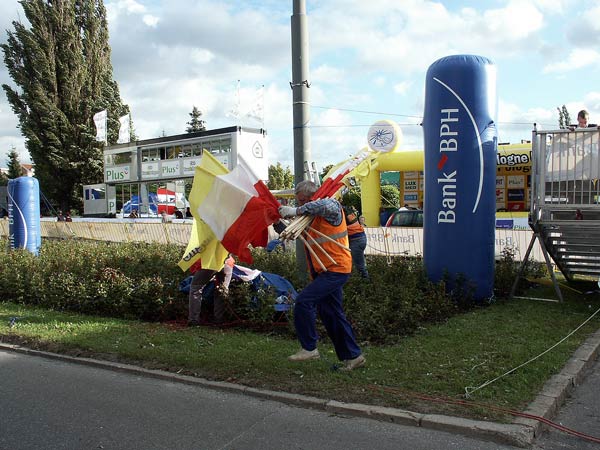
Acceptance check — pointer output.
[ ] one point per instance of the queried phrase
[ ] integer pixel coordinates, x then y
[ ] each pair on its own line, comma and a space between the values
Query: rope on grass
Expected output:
452, 401
469, 389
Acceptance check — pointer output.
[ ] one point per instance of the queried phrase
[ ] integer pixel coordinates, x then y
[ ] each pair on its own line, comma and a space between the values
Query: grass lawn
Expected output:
439, 360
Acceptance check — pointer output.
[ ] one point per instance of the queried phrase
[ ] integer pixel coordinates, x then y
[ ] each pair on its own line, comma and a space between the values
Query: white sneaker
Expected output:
304, 355
351, 364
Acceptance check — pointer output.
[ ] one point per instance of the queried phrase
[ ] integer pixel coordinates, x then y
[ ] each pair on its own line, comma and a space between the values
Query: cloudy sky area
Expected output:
367, 62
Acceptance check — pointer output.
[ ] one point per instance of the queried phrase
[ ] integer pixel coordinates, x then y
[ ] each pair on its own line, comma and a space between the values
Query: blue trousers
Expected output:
325, 296
357, 250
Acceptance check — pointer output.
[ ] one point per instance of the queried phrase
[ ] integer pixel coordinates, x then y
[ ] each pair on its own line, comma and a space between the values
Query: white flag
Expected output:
235, 109
256, 110
100, 121
124, 134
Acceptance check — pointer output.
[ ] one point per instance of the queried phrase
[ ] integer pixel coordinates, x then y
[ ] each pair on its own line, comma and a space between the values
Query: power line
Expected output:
420, 118
367, 112
355, 125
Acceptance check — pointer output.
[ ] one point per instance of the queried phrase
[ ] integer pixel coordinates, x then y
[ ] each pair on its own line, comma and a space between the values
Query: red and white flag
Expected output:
237, 206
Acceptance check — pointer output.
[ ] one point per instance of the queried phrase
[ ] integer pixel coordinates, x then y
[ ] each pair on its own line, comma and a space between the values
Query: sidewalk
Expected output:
521, 432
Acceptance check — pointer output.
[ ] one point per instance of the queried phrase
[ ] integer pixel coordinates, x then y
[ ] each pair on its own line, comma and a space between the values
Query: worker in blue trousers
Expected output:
324, 293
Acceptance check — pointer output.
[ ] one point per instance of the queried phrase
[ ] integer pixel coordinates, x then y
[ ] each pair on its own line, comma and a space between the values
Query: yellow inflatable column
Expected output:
370, 188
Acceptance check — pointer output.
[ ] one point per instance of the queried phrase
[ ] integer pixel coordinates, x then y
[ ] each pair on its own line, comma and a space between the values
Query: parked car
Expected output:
406, 218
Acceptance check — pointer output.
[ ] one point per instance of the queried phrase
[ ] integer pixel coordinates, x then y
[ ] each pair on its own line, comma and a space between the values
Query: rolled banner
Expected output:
100, 122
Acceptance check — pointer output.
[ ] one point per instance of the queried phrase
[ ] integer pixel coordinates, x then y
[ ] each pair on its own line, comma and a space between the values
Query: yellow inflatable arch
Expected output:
383, 155
397, 161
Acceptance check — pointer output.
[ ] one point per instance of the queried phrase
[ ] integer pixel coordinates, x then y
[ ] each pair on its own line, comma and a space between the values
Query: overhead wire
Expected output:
420, 118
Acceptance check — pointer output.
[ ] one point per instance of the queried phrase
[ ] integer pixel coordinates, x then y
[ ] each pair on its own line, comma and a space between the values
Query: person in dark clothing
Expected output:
201, 277
357, 239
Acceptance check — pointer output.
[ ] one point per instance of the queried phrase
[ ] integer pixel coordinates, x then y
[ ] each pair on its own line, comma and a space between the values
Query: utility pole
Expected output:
300, 86
300, 105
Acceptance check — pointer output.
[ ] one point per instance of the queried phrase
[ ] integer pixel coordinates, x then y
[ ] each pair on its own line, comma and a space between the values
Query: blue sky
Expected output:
169, 56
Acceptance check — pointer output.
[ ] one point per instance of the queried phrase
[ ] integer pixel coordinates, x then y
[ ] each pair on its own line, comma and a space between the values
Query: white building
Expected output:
156, 174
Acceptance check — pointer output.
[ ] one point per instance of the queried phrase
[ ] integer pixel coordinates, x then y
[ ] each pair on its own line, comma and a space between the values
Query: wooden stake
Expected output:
320, 248
312, 252
329, 238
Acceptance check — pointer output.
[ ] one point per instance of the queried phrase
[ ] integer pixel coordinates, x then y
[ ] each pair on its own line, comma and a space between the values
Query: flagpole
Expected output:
262, 109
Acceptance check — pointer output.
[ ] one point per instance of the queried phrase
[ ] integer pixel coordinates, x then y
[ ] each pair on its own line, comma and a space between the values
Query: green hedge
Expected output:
119, 280
141, 281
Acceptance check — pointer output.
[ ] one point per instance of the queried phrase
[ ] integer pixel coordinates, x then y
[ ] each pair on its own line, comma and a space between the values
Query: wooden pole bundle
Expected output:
297, 229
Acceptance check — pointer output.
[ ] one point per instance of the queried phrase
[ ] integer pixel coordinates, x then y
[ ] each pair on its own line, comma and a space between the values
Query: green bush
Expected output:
118, 280
396, 301
506, 273
141, 281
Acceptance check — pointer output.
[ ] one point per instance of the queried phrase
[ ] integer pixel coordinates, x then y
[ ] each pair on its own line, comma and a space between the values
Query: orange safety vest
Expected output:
339, 233
354, 226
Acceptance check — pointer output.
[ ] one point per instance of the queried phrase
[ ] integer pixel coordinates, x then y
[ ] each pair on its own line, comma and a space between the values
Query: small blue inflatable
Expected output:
24, 214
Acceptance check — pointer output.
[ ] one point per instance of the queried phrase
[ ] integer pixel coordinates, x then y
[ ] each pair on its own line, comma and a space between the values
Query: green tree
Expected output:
564, 118
14, 165
196, 123
61, 67
390, 196
352, 198
3, 179
280, 178
325, 170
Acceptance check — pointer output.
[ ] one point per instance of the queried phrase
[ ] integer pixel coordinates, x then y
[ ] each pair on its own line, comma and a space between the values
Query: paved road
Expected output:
580, 412
49, 404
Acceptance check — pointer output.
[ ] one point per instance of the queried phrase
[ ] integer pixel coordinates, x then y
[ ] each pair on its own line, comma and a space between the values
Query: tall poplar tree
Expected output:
63, 73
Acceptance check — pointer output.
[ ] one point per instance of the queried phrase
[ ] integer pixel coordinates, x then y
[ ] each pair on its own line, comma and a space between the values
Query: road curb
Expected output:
521, 432
556, 390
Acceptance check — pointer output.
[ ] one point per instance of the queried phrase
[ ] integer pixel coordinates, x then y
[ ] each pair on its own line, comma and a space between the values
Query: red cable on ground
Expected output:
493, 408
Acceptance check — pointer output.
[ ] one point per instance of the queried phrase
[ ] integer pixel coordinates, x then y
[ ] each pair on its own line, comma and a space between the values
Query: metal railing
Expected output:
566, 169
565, 196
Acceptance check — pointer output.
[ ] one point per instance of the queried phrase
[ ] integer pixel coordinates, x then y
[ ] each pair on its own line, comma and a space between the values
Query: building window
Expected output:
173, 152
150, 154
186, 151
117, 158
122, 158
197, 149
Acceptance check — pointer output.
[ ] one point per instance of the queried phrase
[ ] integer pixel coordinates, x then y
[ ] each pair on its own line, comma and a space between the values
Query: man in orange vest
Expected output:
324, 293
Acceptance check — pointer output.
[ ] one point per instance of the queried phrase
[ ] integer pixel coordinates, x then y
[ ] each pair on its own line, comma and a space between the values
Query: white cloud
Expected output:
364, 56
591, 102
150, 20
583, 30
403, 87
556, 6
578, 58
119, 8
524, 19
327, 74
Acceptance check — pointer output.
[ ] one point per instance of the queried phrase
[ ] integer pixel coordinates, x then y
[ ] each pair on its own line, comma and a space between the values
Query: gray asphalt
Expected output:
52, 404
580, 412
